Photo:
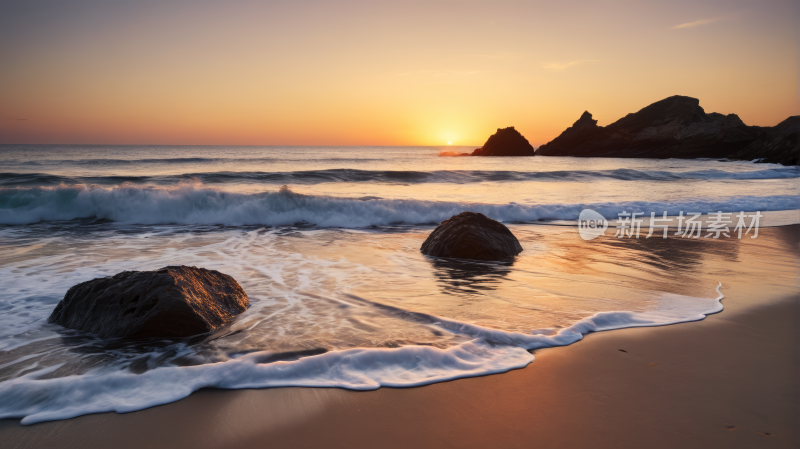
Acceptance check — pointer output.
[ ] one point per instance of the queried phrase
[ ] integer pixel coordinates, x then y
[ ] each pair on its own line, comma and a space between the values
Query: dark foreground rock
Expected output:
175, 301
505, 142
675, 127
471, 235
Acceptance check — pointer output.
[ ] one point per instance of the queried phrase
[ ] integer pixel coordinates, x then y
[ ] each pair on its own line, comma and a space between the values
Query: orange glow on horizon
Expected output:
362, 73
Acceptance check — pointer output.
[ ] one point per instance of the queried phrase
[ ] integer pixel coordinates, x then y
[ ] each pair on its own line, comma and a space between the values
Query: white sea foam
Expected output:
194, 203
491, 351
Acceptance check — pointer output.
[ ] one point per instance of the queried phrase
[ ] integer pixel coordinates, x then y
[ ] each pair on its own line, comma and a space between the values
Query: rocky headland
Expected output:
677, 127
780, 144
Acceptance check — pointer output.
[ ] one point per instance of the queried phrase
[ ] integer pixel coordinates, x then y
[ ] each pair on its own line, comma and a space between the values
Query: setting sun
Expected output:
449, 143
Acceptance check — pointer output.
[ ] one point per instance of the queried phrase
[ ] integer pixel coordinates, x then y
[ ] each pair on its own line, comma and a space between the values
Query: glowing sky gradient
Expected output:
379, 73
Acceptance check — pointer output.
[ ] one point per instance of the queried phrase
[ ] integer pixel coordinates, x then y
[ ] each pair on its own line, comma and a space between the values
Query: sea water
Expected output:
325, 241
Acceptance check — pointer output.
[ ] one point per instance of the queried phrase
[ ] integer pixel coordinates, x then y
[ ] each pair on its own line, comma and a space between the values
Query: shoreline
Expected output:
726, 381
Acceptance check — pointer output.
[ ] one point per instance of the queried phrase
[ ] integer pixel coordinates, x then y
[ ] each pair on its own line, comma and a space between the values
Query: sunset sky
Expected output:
379, 73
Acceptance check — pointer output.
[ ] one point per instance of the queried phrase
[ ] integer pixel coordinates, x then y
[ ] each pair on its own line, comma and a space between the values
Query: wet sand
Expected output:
727, 381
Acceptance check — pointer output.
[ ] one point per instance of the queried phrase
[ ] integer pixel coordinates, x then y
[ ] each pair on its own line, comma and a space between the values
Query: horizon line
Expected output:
233, 145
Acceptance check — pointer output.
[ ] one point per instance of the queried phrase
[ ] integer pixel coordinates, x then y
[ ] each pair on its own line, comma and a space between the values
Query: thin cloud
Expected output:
566, 65
15, 119
695, 23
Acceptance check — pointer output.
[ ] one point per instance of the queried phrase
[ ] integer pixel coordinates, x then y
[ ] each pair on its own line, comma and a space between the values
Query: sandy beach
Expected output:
726, 381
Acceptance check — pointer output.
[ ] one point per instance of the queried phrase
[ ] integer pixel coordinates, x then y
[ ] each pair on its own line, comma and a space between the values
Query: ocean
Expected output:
325, 241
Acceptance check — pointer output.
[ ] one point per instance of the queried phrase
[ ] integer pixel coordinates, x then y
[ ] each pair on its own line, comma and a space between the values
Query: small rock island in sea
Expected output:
505, 142
175, 301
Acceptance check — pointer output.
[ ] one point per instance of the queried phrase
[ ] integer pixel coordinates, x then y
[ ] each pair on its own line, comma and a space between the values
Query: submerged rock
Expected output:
175, 301
675, 127
505, 142
470, 235
453, 154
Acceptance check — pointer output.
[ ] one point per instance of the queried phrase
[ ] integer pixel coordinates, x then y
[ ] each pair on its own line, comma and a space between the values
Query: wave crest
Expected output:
403, 176
194, 203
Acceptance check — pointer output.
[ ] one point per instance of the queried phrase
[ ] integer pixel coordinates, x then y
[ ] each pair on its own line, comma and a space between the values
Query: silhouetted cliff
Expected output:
780, 144
677, 127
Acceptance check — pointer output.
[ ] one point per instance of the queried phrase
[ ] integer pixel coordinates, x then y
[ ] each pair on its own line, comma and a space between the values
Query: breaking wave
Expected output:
194, 203
403, 176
